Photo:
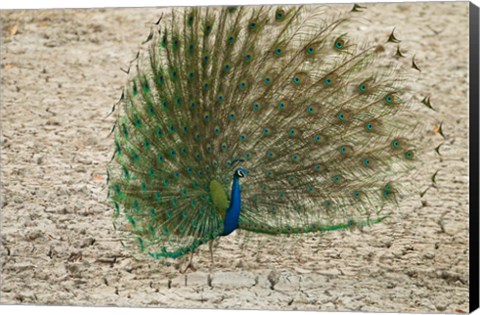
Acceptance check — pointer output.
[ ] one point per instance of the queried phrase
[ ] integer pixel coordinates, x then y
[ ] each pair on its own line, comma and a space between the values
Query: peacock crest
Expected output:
267, 119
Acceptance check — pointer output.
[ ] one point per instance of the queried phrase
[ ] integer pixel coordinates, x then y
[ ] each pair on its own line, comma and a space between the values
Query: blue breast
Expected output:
233, 212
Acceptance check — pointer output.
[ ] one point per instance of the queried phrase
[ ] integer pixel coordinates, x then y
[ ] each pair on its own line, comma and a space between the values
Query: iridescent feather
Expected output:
321, 126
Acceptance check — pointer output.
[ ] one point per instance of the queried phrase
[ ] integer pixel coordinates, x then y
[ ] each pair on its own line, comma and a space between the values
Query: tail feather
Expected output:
326, 126
312, 228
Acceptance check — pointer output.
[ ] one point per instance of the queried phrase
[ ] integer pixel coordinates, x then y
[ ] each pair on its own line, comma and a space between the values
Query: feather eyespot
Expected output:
208, 29
339, 43
366, 162
362, 88
190, 19
279, 15
159, 132
390, 99
243, 85
175, 43
146, 144
330, 80
395, 143
345, 150
164, 41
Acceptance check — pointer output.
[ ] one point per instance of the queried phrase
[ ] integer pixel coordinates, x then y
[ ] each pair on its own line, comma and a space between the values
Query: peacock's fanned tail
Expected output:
322, 123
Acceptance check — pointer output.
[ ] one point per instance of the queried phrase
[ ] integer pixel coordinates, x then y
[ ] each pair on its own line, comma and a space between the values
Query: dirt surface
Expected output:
61, 75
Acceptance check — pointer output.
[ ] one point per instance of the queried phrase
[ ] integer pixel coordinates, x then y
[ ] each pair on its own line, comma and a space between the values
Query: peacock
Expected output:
267, 119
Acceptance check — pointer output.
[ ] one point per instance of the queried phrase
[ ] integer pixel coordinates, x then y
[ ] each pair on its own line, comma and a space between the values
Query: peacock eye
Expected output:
389, 99
240, 173
339, 44
279, 15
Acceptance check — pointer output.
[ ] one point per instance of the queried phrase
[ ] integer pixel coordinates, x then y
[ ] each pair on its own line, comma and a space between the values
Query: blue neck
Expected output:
233, 211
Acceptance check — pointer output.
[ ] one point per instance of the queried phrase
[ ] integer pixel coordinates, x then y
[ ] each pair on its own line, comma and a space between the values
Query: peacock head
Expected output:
240, 172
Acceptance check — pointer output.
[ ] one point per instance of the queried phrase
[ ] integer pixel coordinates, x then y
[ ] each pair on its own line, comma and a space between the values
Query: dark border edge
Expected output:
474, 160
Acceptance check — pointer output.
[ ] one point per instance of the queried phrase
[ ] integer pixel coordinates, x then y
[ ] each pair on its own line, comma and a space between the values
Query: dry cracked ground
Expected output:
60, 76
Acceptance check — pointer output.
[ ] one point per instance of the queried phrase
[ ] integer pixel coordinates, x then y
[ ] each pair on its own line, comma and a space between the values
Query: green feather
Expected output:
322, 122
